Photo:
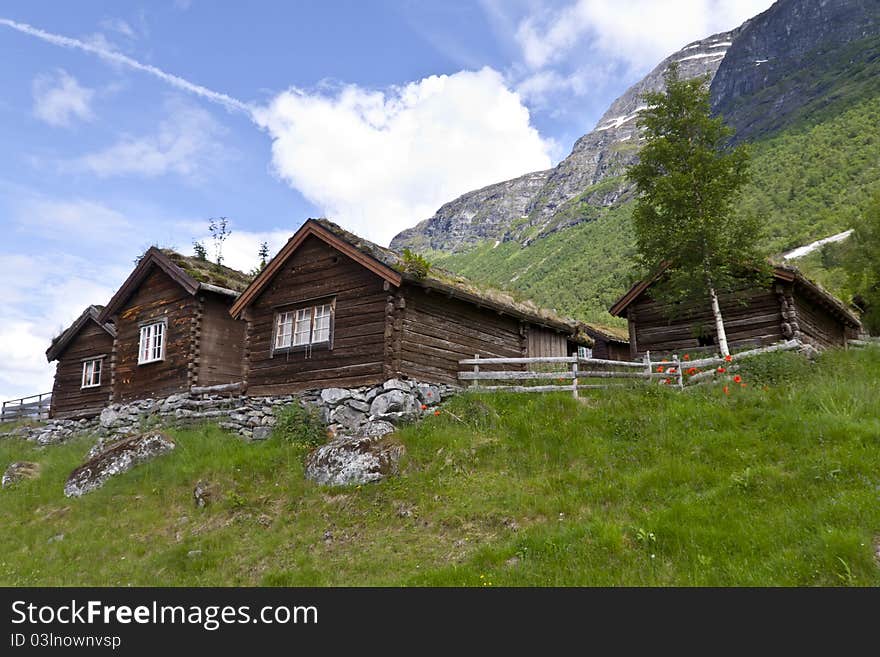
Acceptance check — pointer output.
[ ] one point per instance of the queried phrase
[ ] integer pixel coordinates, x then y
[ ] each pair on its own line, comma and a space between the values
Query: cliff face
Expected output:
796, 60
782, 62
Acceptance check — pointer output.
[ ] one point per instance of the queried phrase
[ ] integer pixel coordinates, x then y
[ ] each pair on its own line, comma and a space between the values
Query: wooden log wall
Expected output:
158, 297
357, 357
817, 324
219, 341
438, 331
69, 399
751, 317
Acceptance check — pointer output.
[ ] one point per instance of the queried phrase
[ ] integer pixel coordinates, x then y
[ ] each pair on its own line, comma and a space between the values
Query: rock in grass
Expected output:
348, 461
120, 457
18, 471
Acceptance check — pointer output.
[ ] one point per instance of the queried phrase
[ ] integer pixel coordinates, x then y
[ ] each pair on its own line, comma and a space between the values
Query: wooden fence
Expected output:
574, 371
35, 407
864, 341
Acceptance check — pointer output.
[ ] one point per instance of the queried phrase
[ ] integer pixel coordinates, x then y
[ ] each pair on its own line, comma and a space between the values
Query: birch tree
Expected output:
687, 178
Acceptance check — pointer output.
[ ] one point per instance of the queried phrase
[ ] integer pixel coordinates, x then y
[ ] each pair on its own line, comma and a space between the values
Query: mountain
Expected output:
800, 83
540, 202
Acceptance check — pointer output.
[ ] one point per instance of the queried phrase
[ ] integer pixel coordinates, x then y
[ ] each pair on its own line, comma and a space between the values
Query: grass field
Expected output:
777, 483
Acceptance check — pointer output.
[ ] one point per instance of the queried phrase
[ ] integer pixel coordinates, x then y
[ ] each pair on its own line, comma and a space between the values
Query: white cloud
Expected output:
57, 220
120, 26
378, 162
241, 248
638, 32
43, 295
59, 99
186, 143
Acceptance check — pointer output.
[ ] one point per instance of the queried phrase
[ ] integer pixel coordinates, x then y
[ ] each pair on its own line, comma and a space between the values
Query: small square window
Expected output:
152, 343
304, 327
91, 373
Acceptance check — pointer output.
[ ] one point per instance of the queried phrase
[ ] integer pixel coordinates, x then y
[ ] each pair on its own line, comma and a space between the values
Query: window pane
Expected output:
85, 376
303, 326
321, 331
145, 344
283, 330
96, 373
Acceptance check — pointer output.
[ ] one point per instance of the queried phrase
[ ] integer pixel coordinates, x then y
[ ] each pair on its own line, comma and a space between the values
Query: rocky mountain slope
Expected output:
539, 202
778, 68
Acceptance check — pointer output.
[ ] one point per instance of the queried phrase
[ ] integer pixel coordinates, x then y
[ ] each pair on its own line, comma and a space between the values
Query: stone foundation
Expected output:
362, 411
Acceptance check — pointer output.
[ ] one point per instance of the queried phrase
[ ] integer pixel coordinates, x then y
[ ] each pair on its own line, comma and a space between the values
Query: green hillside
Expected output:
773, 484
807, 183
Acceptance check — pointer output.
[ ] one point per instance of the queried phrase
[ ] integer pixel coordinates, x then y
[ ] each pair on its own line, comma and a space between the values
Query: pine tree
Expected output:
687, 178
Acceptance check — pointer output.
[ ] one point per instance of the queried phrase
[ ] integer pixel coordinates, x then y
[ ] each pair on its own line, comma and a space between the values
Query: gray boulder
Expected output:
348, 417
394, 404
117, 459
377, 429
333, 396
429, 395
108, 417
18, 471
349, 461
397, 384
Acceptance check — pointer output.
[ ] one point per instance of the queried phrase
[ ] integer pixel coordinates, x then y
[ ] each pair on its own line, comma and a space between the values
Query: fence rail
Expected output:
864, 341
35, 407
671, 370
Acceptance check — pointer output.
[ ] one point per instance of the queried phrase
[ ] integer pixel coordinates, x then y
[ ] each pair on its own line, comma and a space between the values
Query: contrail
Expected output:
66, 42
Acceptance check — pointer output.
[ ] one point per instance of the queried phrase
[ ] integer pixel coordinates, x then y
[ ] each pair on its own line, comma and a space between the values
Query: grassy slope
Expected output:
641, 487
807, 183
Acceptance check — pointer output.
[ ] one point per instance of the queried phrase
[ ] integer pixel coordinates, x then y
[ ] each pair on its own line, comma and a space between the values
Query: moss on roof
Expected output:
454, 284
209, 272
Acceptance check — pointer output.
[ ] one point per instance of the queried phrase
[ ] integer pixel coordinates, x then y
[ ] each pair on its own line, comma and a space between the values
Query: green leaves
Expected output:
688, 178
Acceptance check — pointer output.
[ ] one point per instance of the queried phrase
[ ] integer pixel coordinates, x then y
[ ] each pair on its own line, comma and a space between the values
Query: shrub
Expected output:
415, 264
299, 424
775, 368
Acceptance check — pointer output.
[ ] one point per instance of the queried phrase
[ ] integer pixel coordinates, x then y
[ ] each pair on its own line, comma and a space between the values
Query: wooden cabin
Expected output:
82, 375
792, 307
609, 342
173, 328
332, 309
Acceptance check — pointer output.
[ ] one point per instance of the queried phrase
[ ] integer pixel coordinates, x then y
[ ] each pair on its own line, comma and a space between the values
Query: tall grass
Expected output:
777, 483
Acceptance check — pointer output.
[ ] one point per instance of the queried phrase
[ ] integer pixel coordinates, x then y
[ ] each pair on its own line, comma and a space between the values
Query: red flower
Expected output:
728, 358
670, 370
721, 370
692, 371
436, 412
737, 379
687, 356
424, 408
660, 369
726, 390
667, 381
742, 385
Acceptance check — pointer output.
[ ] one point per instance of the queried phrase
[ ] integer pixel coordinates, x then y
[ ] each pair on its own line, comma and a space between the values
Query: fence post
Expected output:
647, 360
678, 371
574, 377
476, 382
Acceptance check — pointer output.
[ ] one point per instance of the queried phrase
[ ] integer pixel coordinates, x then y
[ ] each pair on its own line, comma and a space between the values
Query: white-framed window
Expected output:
91, 374
585, 352
304, 326
152, 344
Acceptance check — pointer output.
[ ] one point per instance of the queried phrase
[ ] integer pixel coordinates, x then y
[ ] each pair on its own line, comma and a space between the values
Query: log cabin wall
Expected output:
610, 350
316, 271
751, 317
438, 331
219, 340
158, 297
69, 399
817, 324
543, 342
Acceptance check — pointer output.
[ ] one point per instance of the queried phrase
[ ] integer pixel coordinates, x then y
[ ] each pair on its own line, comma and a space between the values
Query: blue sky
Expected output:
126, 124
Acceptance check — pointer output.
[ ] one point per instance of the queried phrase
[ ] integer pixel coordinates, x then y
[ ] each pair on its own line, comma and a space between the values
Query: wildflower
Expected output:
721, 370
691, 371
742, 385
436, 412
728, 358
424, 407
671, 370
687, 356
667, 381
660, 369
726, 390
737, 379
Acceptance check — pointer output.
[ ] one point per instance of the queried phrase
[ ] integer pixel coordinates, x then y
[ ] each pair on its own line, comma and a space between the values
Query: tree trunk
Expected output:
719, 323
